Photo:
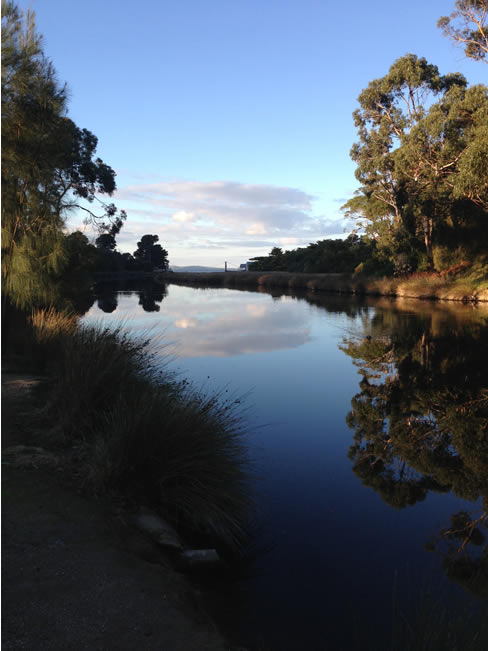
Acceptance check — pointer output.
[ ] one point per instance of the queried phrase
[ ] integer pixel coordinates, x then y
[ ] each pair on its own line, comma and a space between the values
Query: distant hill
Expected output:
196, 269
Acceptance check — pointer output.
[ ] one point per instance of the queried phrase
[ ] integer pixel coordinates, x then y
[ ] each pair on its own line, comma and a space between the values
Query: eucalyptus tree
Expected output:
421, 155
48, 166
468, 27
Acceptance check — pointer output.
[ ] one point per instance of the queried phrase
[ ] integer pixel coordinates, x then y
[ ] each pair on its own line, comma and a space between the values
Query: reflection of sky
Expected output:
216, 323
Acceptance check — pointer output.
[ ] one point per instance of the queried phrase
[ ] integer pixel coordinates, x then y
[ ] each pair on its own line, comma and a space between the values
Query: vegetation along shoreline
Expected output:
135, 428
426, 286
106, 410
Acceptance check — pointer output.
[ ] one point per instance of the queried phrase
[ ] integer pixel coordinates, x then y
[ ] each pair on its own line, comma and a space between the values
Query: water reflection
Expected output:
225, 323
151, 295
252, 327
105, 294
418, 418
107, 299
420, 424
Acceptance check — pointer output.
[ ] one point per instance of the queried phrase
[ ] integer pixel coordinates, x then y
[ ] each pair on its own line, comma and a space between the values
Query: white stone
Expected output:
159, 530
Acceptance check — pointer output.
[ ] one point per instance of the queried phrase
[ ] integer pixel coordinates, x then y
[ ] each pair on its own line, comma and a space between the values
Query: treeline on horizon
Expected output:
324, 256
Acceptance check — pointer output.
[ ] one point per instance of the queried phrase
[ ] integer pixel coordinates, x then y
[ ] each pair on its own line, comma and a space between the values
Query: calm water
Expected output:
368, 431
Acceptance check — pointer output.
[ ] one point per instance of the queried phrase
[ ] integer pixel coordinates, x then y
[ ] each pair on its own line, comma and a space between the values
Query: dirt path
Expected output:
74, 576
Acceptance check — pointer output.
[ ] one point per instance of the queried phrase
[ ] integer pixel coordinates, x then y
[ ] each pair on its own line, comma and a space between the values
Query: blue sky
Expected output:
229, 122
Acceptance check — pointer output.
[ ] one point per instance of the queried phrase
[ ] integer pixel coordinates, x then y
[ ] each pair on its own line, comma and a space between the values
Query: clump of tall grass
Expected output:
181, 453
49, 324
33, 340
93, 366
141, 432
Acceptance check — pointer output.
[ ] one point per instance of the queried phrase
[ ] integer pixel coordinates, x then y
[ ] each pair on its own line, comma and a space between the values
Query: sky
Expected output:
229, 122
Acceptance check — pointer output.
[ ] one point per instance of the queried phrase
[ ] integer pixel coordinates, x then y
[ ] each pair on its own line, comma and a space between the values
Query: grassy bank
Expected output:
458, 285
138, 431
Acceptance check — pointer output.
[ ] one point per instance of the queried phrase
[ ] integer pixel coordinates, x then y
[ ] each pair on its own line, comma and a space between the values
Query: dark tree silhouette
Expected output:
151, 254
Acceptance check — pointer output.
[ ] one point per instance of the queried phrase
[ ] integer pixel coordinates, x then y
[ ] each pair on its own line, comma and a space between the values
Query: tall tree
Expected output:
417, 158
48, 166
468, 27
106, 242
150, 253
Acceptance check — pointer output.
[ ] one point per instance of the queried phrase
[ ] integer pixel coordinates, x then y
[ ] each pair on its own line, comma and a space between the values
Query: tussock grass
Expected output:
182, 454
140, 432
94, 367
49, 324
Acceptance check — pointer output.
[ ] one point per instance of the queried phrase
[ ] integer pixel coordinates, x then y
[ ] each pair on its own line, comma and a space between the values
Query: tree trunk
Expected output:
427, 224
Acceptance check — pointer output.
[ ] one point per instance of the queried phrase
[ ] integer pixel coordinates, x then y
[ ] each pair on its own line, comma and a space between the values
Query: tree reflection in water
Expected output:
150, 294
420, 424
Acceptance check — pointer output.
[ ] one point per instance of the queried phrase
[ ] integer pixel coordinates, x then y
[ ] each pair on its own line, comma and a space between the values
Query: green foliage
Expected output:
48, 167
325, 256
446, 257
422, 163
468, 27
32, 267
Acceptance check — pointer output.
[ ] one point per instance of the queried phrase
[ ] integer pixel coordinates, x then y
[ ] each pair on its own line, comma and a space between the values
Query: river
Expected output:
367, 429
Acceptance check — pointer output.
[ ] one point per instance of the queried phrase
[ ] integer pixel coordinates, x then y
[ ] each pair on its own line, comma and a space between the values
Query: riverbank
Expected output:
437, 287
75, 574
102, 441
139, 431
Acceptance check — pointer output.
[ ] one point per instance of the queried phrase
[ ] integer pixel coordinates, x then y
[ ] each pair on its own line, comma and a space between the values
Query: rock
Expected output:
192, 557
159, 530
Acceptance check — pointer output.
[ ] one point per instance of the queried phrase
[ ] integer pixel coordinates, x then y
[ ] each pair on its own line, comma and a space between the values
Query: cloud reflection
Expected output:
217, 323
239, 327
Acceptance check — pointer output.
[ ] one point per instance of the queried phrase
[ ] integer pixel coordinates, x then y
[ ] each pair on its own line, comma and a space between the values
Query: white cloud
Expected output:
253, 209
289, 241
184, 216
200, 222
186, 323
256, 228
